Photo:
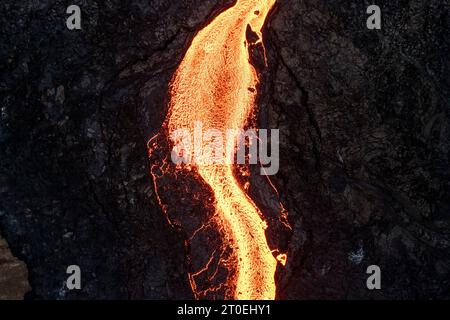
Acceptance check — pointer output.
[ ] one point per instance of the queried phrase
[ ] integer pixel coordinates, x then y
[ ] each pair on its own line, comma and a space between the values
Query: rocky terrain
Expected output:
364, 119
13, 275
365, 172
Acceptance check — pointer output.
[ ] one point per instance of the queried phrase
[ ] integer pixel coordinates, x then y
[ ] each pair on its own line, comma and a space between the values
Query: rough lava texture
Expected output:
365, 169
77, 110
365, 125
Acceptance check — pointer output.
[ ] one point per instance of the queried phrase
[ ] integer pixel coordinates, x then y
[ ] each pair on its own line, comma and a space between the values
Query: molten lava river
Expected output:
216, 85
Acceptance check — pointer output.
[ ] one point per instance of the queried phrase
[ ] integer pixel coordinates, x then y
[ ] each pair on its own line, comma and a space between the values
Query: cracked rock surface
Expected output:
78, 108
364, 168
364, 123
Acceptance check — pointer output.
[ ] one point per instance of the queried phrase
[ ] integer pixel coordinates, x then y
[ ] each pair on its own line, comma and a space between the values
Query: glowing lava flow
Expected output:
216, 85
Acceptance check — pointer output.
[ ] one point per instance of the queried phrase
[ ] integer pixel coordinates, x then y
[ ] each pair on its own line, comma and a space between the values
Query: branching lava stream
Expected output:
216, 85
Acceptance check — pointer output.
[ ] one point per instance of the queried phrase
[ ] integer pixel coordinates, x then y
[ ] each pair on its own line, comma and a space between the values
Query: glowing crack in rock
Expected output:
216, 85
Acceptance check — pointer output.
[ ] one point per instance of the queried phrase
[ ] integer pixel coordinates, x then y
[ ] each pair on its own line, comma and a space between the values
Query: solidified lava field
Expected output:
364, 167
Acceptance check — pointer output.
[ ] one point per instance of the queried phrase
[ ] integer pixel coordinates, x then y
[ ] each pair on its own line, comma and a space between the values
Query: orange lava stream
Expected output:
215, 84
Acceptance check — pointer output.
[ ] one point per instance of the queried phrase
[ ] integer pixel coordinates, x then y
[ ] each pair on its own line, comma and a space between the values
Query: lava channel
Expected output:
216, 85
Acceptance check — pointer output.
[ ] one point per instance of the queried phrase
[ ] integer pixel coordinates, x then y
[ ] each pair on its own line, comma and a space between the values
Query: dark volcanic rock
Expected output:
364, 117
364, 120
78, 108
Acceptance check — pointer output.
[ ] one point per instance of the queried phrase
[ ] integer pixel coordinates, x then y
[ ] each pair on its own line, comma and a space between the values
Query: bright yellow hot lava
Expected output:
215, 84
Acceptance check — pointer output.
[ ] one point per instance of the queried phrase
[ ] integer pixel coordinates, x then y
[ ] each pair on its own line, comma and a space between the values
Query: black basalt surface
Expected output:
364, 173
364, 119
78, 108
